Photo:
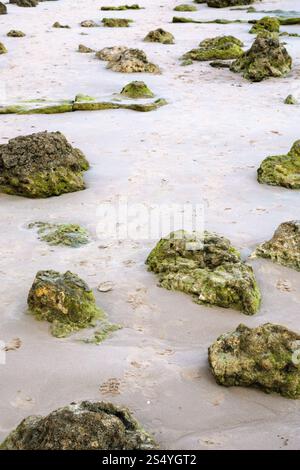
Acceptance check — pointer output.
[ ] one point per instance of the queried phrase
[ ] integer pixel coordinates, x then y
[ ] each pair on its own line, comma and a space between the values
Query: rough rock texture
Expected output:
25, 3
84, 49
58, 25
134, 6
160, 35
61, 234
266, 24
284, 246
14, 33
227, 3
3, 49
185, 7
80, 426
3, 9
111, 53
282, 170
64, 300
208, 267
132, 61
266, 357
218, 48
290, 99
116, 22
41, 165
266, 58
88, 24
137, 89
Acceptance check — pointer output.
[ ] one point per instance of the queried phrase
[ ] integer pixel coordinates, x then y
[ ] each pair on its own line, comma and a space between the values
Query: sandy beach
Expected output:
203, 147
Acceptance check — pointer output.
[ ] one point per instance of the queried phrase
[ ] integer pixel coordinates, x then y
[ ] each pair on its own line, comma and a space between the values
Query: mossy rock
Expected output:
84, 49
72, 235
265, 357
111, 53
25, 3
88, 24
185, 7
284, 246
227, 3
266, 58
160, 35
58, 25
81, 426
41, 165
14, 33
217, 48
134, 6
64, 300
3, 9
268, 23
132, 61
3, 49
208, 267
282, 170
290, 99
136, 90
116, 22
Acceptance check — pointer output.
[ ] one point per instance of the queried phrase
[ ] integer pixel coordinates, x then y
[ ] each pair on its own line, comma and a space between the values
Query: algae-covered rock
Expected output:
185, 7
116, 22
282, 170
217, 48
81, 426
88, 24
290, 99
132, 61
228, 3
3, 49
61, 234
134, 6
160, 35
64, 300
84, 49
137, 89
41, 165
265, 357
14, 33
208, 267
58, 25
266, 58
25, 3
3, 9
268, 23
284, 246
110, 53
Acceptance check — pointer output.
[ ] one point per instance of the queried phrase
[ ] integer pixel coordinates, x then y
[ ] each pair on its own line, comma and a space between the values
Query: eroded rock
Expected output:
81, 426
132, 61
267, 24
264, 357
137, 89
218, 48
160, 35
208, 267
116, 22
41, 165
284, 246
282, 170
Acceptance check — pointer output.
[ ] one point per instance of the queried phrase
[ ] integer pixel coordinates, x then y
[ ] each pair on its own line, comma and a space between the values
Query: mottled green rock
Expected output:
84, 49
88, 24
218, 48
268, 23
284, 246
266, 58
282, 170
64, 300
111, 53
58, 25
137, 89
185, 7
134, 6
132, 61
208, 267
290, 99
160, 35
41, 165
81, 426
3, 9
14, 33
265, 357
227, 3
61, 234
3, 49
116, 22
25, 3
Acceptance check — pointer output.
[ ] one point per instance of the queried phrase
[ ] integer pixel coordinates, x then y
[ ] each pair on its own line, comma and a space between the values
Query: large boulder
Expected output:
266, 357
64, 300
217, 48
266, 58
81, 426
284, 246
41, 165
208, 267
282, 170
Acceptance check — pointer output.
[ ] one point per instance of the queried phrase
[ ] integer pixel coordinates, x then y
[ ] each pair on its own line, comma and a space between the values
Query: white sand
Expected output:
204, 146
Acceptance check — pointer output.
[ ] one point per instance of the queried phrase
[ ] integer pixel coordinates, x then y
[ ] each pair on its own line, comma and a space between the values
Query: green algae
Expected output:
116, 22
14, 33
269, 24
261, 357
61, 234
64, 300
227, 3
134, 6
207, 267
159, 35
220, 47
282, 170
81, 426
104, 331
182, 19
185, 7
136, 89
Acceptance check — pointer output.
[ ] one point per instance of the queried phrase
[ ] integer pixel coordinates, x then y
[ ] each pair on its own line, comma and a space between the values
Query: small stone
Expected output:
88, 24
13, 33
3, 9
185, 7
136, 90
84, 49
290, 99
160, 35
58, 25
3, 49
106, 286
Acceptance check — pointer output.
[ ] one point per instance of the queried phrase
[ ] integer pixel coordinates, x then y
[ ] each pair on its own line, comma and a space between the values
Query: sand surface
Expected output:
204, 147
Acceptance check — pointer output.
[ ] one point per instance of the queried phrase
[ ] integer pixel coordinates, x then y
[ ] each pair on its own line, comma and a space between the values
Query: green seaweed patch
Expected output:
116, 22
185, 7
134, 6
266, 24
72, 235
104, 330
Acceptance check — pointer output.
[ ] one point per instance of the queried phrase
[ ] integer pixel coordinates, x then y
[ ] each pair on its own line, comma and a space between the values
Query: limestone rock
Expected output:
3, 9
208, 267
217, 48
116, 22
132, 61
137, 89
160, 35
81, 426
265, 357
